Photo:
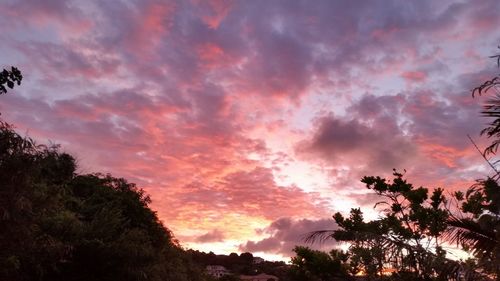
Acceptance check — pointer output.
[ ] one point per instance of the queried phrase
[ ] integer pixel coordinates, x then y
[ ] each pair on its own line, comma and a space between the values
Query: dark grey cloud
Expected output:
212, 236
378, 146
286, 233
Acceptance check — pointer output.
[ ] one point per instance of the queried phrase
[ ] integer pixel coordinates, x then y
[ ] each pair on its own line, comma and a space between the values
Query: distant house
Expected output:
259, 277
217, 271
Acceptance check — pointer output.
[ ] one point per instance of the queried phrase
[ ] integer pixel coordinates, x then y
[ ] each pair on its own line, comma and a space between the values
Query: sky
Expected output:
250, 123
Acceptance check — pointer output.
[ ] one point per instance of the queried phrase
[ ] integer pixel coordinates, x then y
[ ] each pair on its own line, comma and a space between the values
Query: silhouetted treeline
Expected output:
242, 264
58, 225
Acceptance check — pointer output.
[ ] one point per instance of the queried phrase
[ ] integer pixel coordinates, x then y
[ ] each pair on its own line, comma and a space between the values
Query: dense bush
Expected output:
58, 225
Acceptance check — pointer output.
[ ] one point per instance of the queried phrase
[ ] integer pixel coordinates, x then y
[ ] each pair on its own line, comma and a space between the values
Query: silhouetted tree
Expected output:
246, 258
313, 265
58, 225
407, 238
491, 109
477, 227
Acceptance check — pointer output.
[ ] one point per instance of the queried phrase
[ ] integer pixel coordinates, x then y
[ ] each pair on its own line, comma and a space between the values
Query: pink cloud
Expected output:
414, 76
68, 18
215, 11
285, 233
152, 22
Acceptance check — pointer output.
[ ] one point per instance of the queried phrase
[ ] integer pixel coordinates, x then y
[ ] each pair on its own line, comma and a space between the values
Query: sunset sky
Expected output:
250, 123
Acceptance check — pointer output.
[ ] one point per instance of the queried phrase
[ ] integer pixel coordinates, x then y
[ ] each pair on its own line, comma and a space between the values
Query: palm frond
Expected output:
468, 232
491, 109
486, 86
318, 236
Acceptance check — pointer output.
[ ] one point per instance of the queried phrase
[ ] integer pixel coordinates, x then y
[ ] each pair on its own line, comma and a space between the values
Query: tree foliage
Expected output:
477, 227
406, 242
406, 239
313, 265
59, 225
